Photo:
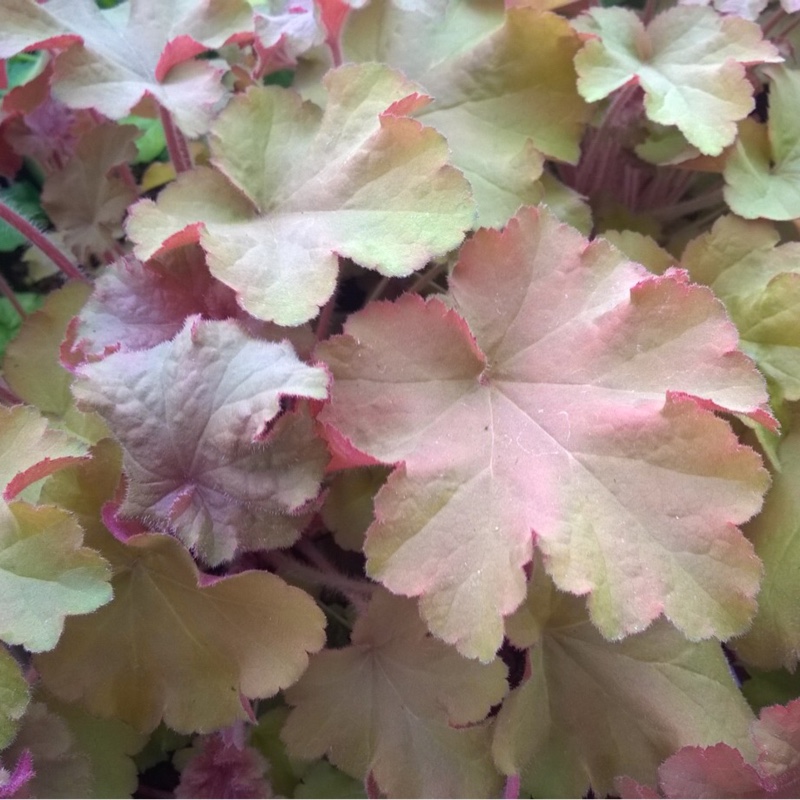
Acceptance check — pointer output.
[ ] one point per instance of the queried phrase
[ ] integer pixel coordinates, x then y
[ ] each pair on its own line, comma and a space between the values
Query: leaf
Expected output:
10, 320
774, 639
85, 200
722, 772
31, 449
384, 705
485, 70
323, 780
151, 142
285, 30
642, 249
118, 60
169, 647
45, 575
690, 62
206, 452
135, 306
74, 753
759, 282
59, 768
14, 696
33, 369
358, 180
138, 305
581, 413
348, 509
219, 767
761, 174
23, 197
609, 708
763, 689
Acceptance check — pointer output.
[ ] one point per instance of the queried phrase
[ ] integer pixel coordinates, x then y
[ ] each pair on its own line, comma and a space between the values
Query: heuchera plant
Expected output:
400, 398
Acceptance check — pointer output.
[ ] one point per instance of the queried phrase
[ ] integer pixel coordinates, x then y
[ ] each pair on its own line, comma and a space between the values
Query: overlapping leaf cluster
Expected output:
411, 429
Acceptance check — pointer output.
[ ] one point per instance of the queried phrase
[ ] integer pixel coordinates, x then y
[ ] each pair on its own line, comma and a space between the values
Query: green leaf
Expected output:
399, 704
776, 687
762, 174
14, 696
773, 640
690, 62
23, 197
323, 780
10, 320
297, 186
759, 282
151, 143
604, 708
45, 575
174, 647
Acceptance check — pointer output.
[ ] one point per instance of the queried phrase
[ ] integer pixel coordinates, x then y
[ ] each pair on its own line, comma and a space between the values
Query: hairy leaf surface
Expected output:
206, 452
385, 704
568, 400
296, 186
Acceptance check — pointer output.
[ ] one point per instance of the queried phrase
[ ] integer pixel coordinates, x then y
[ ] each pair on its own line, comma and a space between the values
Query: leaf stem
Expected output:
599, 139
325, 317
12, 298
427, 277
708, 199
378, 290
40, 240
355, 591
512, 787
7, 396
177, 145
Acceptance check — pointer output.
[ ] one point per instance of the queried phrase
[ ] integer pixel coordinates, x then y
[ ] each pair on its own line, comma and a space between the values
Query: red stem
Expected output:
176, 143
511, 790
38, 239
335, 46
325, 317
12, 298
7, 396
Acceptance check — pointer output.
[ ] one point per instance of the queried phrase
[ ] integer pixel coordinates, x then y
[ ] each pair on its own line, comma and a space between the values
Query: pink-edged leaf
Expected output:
137, 305
296, 186
121, 57
207, 452
31, 449
721, 771
285, 29
569, 398
718, 771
